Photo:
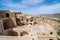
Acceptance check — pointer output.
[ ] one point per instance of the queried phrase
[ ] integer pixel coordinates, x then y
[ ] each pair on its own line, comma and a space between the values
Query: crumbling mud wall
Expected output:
8, 14
10, 32
8, 23
1, 27
18, 22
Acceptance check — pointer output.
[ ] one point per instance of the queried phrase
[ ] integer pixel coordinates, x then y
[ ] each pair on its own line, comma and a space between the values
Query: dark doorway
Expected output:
7, 14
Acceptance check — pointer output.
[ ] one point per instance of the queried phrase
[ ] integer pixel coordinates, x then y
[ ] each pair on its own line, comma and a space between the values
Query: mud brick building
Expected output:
25, 26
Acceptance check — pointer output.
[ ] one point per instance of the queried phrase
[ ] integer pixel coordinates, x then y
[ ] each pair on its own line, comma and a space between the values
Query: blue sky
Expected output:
33, 7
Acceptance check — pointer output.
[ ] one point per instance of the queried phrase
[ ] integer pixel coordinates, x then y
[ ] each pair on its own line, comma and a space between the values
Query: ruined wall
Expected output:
8, 14
7, 20
8, 23
1, 27
3, 13
12, 16
19, 19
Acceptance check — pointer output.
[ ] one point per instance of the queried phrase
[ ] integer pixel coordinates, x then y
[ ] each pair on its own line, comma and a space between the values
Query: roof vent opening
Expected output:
51, 39
51, 32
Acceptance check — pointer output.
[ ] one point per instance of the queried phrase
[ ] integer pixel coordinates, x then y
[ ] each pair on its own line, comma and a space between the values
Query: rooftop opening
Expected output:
27, 20
43, 34
30, 23
51, 32
51, 39
31, 20
23, 33
32, 38
34, 23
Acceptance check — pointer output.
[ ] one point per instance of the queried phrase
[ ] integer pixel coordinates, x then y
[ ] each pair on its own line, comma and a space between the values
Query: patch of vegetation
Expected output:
58, 20
58, 33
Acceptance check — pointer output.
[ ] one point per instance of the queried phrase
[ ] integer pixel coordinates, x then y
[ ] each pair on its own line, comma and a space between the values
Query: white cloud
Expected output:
45, 9
32, 2
50, 9
23, 4
39, 10
9, 3
15, 5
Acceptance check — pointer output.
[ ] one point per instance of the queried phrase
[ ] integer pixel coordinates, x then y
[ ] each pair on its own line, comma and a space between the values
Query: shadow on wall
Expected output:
8, 23
10, 32
19, 22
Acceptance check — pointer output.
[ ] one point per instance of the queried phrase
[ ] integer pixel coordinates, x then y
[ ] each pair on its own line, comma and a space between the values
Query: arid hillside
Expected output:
56, 15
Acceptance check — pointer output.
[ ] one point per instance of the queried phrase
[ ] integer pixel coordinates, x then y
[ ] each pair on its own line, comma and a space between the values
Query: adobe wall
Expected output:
1, 27
11, 15
8, 23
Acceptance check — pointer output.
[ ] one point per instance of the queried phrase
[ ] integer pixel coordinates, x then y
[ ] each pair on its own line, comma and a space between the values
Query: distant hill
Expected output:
56, 15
